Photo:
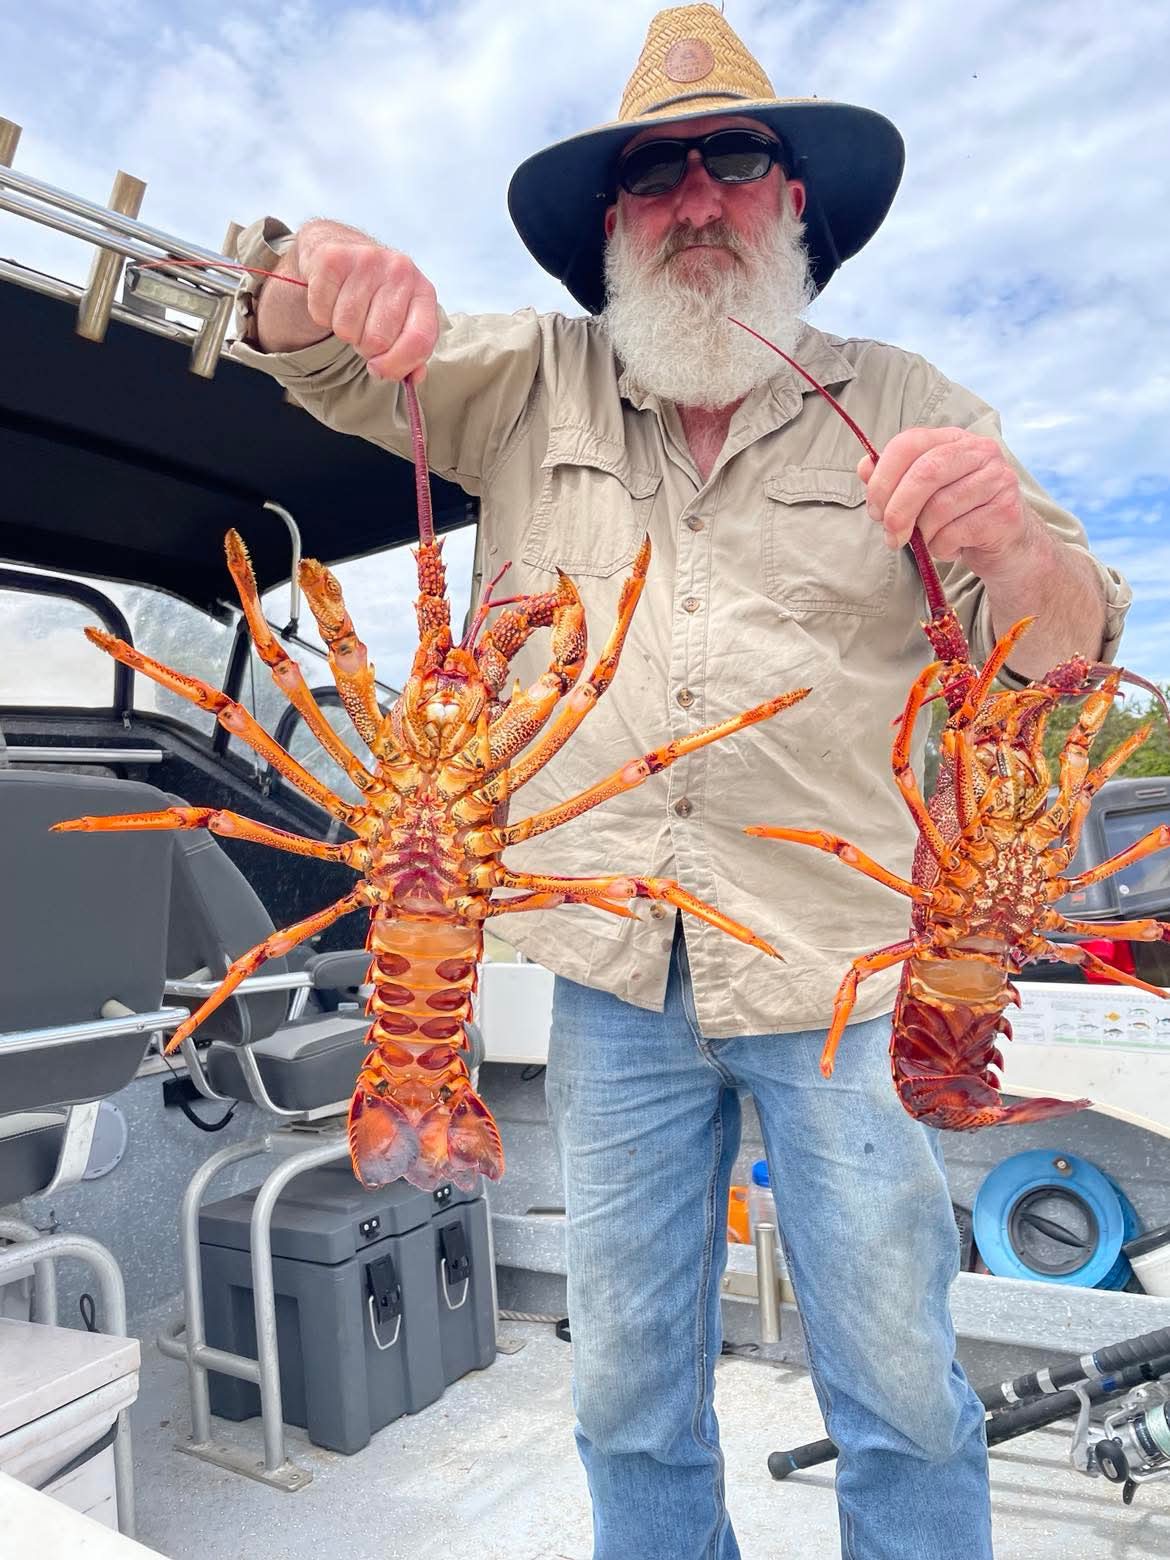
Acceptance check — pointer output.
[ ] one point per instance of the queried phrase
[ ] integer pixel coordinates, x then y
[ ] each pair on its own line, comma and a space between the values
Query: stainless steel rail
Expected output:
161, 1019
24, 753
118, 235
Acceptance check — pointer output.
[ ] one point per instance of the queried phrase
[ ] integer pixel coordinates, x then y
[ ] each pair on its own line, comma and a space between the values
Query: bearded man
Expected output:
708, 196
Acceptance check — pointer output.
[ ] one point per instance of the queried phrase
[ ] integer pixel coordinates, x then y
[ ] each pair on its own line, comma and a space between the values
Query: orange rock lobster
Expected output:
989, 864
428, 831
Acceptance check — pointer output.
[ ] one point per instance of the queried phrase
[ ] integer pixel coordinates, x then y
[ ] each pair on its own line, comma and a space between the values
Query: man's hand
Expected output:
374, 298
962, 492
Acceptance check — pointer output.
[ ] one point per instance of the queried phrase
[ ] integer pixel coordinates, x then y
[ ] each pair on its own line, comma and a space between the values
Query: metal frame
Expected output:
44, 1250
186, 1339
108, 611
30, 1245
118, 236
27, 754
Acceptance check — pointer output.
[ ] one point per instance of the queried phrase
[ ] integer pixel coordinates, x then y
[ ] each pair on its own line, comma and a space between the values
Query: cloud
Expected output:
1024, 253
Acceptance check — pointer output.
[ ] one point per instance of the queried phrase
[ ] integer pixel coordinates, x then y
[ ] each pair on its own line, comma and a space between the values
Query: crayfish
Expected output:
429, 830
989, 865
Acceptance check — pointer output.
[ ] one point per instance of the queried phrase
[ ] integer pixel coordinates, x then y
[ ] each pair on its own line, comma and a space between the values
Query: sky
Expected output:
1025, 253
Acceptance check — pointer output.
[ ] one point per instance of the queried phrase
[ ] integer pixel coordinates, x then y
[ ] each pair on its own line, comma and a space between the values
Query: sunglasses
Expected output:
730, 156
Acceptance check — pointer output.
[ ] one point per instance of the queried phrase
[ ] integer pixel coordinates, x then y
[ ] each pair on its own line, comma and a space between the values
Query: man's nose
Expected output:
698, 198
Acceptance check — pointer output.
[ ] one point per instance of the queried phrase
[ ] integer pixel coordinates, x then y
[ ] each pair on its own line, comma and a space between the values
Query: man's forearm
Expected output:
1058, 586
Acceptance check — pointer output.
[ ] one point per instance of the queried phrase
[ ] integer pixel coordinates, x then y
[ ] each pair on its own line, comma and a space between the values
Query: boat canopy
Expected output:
119, 463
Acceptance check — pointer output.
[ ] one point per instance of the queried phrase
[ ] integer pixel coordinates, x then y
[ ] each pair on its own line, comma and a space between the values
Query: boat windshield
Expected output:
46, 661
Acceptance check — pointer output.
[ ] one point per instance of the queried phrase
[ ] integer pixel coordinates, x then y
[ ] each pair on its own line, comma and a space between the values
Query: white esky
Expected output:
1025, 253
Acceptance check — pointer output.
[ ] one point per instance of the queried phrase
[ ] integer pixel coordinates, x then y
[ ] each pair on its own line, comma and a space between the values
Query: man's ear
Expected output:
798, 195
611, 220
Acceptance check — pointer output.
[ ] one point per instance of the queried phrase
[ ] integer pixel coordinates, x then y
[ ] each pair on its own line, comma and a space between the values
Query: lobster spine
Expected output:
414, 1112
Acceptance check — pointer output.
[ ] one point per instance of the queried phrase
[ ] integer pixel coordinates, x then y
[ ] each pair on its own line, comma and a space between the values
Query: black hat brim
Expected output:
850, 160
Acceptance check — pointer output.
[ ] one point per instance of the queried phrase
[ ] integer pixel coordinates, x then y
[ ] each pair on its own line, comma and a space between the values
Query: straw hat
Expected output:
692, 65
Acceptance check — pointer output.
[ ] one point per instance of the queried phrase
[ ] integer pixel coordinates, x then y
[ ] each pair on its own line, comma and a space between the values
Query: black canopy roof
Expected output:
116, 461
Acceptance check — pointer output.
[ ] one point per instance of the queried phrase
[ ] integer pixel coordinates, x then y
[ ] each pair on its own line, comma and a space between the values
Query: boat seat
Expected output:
83, 941
304, 1066
82, 937
299, 1061
30, 1147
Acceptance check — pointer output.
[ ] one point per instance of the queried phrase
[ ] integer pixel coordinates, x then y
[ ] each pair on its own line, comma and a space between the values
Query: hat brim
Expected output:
850, 159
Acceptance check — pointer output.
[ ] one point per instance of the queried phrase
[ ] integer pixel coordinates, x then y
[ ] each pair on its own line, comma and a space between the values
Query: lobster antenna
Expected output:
931, 584
422, 481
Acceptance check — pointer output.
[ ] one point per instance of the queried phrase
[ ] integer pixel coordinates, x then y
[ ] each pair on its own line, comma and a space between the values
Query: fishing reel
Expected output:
1136, 1445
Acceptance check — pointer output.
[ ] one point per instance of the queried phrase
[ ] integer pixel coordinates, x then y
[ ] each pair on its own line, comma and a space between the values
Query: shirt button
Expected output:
684, 807
685, 697
657, 911
691, 604
694, 523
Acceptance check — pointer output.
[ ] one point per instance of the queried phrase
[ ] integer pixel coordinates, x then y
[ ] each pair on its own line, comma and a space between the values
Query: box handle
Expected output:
385, 1299
456, 1264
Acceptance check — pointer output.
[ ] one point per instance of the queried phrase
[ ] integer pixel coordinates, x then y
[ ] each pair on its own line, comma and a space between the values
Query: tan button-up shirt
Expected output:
766, 577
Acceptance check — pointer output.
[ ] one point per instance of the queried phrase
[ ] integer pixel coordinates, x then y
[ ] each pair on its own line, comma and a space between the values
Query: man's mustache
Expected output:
717, 233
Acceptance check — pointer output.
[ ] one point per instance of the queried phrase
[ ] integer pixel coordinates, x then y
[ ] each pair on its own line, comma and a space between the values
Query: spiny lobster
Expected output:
989, 863
428, 830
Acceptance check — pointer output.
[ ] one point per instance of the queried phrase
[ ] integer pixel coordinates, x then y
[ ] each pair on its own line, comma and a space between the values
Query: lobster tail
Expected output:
414, 1114
942, 1053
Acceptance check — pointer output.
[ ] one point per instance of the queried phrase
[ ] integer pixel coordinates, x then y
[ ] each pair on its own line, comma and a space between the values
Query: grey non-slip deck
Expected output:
491, 1471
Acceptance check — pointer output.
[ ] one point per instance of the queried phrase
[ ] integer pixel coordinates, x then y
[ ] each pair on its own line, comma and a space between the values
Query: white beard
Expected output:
676, 340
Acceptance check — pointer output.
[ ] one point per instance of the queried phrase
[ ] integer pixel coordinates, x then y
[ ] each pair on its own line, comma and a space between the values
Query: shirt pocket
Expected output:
594, 506
821, 551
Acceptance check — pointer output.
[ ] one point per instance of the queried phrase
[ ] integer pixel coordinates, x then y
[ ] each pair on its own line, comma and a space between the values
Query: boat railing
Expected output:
152, 267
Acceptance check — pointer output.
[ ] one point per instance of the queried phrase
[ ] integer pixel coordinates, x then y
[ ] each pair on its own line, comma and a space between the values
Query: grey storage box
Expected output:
383, 1298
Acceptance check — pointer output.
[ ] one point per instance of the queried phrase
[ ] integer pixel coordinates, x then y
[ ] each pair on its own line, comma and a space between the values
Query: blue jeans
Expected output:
647, 1120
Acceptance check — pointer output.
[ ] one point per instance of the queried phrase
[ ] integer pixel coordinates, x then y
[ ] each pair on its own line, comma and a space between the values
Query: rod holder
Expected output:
767, 1283
9, 139
93, 309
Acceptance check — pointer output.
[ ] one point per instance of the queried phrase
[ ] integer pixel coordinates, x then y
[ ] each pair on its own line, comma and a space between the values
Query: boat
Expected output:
169, 1225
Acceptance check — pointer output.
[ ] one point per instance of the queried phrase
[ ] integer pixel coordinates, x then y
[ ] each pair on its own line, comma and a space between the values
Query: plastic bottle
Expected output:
761, 1204
738, 1217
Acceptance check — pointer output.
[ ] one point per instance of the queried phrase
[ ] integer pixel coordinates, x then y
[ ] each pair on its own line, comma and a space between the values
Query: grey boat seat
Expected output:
30, 1148
264, 1044
305, 1065
83, 948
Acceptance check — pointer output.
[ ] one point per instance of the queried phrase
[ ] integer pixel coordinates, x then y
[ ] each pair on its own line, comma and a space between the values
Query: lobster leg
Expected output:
527, 711
1069, 953
1157, 839
1145, 930
1093, 782
271, 948
637, 770
834, 845
583, 698
868, 964
549, 899
630, 887
495, 649
904, 774
229, 824
285, 672
348, 658
232, 716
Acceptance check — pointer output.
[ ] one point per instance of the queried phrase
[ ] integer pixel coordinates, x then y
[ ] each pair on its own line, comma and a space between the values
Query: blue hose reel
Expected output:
1049, 1216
